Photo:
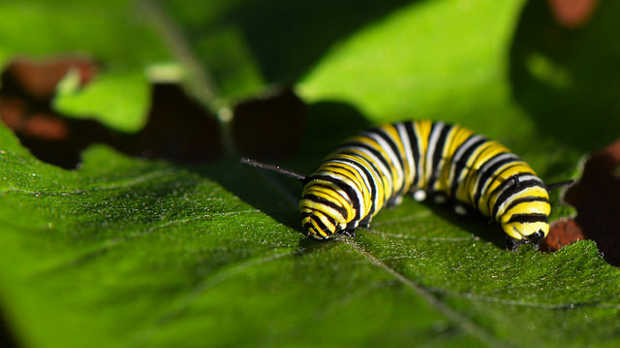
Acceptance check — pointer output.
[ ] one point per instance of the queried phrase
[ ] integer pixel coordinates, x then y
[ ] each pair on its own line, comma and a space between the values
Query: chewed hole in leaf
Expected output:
178, 128
596, 196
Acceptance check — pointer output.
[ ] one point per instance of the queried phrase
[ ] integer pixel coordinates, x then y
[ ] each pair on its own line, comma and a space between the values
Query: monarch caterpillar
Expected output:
375, 169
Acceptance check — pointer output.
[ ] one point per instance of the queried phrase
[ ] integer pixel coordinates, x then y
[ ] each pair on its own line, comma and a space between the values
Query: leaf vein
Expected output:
387, 235
131, 182
464, 323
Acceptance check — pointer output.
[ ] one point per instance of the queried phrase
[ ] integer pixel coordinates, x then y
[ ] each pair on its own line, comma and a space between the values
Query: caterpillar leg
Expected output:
366, 222
349, 232
396, 200
536, 238
514, 244
439, 198
460, 209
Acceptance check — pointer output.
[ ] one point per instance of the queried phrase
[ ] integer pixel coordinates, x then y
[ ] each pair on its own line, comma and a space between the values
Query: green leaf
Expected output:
127, 252
110, 32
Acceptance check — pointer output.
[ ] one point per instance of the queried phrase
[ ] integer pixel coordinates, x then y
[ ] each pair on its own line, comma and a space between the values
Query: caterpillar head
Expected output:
526, 217
322, 211
318, 219
532, 231
318, 225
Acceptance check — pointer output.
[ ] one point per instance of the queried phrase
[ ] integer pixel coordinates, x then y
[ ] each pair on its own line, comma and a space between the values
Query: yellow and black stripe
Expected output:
376, 168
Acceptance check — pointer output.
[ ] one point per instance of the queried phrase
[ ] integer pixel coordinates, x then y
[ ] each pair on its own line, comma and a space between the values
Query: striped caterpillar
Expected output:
375, 169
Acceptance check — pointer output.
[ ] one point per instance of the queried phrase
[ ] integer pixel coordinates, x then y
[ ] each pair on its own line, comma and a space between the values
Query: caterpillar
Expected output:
376, 168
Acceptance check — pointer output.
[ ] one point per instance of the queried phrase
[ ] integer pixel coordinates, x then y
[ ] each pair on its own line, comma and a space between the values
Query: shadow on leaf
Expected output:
567, 78
276, 195
474, 222
7, 335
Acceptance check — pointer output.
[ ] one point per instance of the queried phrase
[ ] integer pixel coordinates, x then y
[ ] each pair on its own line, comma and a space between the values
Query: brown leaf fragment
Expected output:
45, 126
572, 13
40, 77
562, 233
596, 196
12, 112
